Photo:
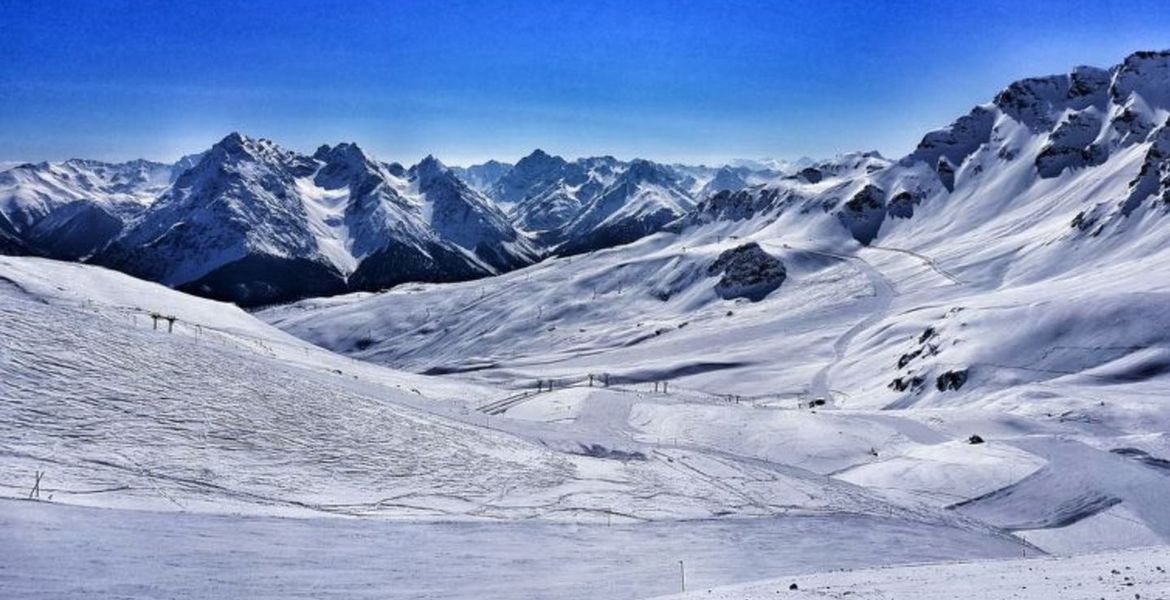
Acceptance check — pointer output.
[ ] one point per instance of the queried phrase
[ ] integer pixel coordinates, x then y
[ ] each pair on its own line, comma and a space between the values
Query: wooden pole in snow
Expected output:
36, 489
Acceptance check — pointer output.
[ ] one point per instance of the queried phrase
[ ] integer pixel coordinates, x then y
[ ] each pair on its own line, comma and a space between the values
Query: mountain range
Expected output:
251, 222
254, 223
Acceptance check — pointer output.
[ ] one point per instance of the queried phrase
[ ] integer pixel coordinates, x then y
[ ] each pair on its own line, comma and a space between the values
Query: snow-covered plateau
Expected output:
939, 376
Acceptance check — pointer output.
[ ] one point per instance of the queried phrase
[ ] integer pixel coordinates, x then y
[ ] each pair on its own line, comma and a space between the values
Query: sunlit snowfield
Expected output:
68, 552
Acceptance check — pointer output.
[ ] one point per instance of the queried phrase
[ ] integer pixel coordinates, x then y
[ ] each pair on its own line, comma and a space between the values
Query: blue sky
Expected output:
668, 80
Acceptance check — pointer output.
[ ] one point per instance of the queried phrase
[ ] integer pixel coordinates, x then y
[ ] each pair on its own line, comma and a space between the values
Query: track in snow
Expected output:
928, 261
883, 291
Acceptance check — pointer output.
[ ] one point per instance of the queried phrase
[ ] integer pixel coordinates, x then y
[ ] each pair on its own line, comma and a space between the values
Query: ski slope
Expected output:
66, 552
207, 435
1140, 573
228, 414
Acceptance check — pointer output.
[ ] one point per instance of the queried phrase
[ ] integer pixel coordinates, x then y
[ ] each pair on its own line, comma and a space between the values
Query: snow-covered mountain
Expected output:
641, 200
254, 223
1059, 183
598, 202
71, 209
1082, 153
546, 193
777, 165
482, 177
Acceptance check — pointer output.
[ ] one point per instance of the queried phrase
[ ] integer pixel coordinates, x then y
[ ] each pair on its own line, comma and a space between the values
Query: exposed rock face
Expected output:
747, 272
864, 213
736, 206
1153, 181
1071, 145
482, 177
957, 141
901, 206
535, 171
951, 380
811, 175
1035, 102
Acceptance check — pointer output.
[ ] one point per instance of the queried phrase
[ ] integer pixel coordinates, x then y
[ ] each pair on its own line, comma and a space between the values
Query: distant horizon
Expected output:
6, 164
693, 83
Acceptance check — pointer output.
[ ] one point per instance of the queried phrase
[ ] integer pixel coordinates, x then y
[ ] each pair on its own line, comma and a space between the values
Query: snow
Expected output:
1139, 573
326, 212
66, 552
227, 413
199, 437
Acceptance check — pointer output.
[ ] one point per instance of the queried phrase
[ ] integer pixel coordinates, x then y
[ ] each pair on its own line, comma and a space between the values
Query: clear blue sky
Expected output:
667, 80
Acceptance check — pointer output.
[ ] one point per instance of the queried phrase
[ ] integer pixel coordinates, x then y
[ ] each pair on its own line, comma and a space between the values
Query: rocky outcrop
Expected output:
1071, 145
747, 271
864, 213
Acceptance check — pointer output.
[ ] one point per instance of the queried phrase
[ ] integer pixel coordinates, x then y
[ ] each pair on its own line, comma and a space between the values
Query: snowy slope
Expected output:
1143, 573
65, 552
226, 413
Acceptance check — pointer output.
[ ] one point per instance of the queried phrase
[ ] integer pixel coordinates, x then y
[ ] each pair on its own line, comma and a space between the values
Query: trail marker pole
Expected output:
682, 574
35, 492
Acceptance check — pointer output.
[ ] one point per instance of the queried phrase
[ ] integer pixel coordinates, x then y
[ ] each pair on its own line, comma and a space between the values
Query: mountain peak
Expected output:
428, 170
539, 159
430, 165
236, 143
641, 169
345, 152
234, 139
1145, 73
